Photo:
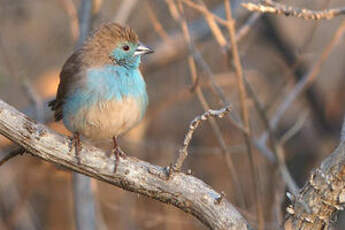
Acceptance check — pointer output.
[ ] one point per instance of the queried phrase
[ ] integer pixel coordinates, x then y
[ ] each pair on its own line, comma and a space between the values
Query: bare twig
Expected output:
211, 21
11, 154
233, 118
244, 112
306, 81
156, 24
294, 129
268, 6
183, 152
178, 15
275, 146
177, 47
202, 9
183, 191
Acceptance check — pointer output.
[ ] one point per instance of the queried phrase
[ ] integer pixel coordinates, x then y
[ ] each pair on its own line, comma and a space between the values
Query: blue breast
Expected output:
106, 83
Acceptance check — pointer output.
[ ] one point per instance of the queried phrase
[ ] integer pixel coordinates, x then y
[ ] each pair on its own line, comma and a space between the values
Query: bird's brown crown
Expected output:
113, 32
104, 40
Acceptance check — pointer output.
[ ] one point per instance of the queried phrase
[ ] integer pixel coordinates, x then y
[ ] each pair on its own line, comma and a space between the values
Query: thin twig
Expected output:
183, 152
268, 6
178, 15
211, 21
157, 26
207, 13
274, 144
12, 154
244, 112
305, 82
294, 129
233, 118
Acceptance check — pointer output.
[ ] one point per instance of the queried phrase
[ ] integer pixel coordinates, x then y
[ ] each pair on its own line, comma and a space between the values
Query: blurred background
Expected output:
37, 36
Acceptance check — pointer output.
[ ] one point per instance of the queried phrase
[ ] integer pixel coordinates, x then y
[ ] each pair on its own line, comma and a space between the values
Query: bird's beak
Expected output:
141, 50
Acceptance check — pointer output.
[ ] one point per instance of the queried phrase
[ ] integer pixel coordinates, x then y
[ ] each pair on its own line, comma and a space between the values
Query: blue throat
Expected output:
107, 83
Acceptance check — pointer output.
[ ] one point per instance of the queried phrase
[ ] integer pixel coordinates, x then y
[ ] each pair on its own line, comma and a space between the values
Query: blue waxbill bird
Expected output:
102, 93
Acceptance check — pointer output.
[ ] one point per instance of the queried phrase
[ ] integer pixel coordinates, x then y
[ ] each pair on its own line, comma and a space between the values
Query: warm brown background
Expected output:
36, 38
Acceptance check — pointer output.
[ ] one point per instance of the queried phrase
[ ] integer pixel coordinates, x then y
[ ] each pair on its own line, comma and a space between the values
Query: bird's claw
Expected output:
77, 145
118, 154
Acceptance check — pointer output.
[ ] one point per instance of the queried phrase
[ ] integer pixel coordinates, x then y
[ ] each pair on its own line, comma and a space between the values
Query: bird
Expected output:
102, 93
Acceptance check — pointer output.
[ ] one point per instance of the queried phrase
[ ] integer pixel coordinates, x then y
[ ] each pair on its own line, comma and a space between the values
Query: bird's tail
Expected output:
52, 104
56, 107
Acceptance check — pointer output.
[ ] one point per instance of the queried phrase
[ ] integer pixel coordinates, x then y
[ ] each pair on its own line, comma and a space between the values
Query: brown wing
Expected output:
69, 77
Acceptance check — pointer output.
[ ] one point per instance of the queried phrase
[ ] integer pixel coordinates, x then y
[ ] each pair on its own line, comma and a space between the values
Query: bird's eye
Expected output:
125, 47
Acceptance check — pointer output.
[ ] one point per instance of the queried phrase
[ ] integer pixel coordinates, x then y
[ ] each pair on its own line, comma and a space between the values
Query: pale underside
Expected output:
107, 119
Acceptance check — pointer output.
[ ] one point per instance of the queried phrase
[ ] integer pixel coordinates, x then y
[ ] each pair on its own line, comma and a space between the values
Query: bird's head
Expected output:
117, 45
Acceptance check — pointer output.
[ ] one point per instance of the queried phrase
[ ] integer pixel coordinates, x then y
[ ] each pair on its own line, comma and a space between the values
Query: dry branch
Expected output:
177, 13
268, 6
308, 79
192, 127
183, 191
244, 113
324, 193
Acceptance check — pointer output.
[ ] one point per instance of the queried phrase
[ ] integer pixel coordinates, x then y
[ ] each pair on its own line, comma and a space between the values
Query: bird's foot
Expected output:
118, 154
77, 146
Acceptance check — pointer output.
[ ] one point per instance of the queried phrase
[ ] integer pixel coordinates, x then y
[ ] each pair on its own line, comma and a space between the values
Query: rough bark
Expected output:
324, 194
183, 191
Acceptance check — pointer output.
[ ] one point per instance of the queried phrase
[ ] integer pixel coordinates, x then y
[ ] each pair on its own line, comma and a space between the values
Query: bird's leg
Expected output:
118, 153
77, 145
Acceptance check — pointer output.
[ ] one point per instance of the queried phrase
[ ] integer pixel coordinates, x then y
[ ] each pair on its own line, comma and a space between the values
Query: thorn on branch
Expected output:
183, 153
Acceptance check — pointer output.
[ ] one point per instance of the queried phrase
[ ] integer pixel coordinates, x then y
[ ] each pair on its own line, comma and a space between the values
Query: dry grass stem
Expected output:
268, 6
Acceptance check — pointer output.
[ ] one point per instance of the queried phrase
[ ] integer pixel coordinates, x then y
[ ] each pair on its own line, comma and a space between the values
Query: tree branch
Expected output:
268, 6
324, 193
183, 191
